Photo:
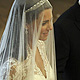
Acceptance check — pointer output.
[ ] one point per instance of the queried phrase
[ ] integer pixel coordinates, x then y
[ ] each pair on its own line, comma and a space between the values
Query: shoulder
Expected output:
69, 15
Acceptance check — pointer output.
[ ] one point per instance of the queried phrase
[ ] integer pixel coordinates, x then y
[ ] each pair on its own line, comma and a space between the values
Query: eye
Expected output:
43, 23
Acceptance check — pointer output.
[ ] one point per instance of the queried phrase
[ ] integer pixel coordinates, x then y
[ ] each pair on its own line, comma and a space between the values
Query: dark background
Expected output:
59, 6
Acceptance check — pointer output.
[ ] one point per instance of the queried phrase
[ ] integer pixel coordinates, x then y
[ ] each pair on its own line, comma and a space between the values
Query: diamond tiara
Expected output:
37, 5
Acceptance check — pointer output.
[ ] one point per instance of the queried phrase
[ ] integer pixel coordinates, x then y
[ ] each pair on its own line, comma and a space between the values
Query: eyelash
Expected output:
43, 24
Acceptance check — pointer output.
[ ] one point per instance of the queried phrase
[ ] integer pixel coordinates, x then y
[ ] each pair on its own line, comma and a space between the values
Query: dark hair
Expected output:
31, 14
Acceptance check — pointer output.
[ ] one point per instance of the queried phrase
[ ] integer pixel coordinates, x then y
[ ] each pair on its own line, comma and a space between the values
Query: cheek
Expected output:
43, 29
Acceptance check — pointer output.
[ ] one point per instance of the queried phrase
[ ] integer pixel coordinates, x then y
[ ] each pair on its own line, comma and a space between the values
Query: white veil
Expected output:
21, 42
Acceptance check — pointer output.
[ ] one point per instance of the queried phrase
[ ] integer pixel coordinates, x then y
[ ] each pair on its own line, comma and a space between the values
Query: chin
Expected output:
43, 39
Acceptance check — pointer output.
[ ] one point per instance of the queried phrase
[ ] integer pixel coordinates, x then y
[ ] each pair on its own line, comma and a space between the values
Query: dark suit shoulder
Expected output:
71, 14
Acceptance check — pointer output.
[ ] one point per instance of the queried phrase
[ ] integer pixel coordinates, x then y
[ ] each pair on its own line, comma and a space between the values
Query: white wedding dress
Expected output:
25, 68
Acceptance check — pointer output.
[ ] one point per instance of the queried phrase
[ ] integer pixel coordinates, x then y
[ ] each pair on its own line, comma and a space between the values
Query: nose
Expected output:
50, 26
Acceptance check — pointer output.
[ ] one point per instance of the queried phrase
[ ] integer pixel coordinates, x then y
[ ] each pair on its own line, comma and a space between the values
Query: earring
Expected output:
26, 30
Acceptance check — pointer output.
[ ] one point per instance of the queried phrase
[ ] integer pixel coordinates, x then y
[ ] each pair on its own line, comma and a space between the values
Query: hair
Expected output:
31, 14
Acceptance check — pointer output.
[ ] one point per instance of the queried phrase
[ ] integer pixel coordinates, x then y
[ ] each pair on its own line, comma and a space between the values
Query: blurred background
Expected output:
59, 6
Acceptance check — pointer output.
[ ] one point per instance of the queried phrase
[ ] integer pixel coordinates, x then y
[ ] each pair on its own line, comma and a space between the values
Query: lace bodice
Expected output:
25, 68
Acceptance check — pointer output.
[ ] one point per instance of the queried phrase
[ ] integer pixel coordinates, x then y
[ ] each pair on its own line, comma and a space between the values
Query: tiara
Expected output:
37, 5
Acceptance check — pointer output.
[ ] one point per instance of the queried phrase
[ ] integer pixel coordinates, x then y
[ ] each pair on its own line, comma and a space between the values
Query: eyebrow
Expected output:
47, 20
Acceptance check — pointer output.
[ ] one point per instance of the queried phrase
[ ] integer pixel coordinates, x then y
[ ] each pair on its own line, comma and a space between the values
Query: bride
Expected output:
27, 49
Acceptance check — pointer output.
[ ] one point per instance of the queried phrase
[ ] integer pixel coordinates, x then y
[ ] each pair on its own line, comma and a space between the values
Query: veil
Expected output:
27, 48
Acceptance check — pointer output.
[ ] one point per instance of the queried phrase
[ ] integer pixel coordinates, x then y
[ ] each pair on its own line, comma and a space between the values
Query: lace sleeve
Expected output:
5, 68
12, 70
20, 70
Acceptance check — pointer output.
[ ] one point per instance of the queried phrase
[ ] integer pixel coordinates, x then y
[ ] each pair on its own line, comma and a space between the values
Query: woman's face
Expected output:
47, 23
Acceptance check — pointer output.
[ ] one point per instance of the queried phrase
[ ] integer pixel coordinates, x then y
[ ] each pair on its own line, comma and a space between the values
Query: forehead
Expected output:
46, 14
